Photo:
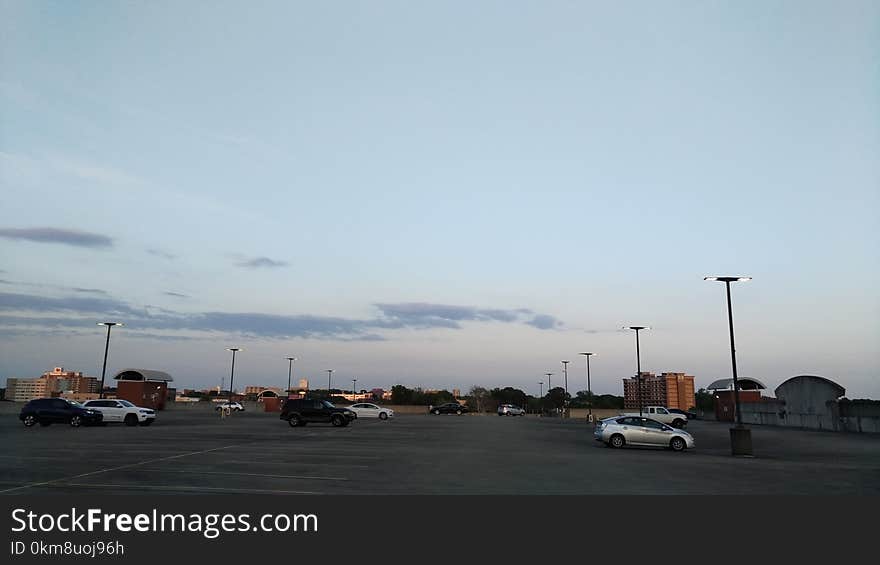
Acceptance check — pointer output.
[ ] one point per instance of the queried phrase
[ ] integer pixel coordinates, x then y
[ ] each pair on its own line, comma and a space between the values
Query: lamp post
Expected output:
290, 361
565, 397
589, 388
329, 372
637, 329
740, 436
549, 386
106, 350
353, 390
541, 389
232, 371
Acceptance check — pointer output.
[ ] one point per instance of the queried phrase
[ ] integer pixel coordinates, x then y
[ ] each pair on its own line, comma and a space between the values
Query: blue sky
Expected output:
440, 194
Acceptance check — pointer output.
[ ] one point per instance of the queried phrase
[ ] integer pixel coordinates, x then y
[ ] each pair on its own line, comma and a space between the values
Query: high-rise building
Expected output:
50, 383
304, 384
672, 390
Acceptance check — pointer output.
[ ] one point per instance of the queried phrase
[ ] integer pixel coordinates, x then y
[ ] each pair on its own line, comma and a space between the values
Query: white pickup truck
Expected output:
661, 415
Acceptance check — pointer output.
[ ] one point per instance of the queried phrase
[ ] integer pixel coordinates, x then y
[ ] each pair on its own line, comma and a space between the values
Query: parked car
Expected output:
661, 414
369, 410
233, 406
510, 410
689, 414
122, 411
449, 408
302, 411
633, 430
46, 411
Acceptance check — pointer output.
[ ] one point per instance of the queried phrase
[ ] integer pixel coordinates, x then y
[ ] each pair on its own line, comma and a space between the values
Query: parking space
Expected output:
197, 452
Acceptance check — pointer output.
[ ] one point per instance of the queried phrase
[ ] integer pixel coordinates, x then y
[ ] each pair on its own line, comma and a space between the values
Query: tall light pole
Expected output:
232, 371
637, 329
541, 389
353, 390
549, 387
740, 437
565, 397
589, 388
290, 361
329, 372
106, 350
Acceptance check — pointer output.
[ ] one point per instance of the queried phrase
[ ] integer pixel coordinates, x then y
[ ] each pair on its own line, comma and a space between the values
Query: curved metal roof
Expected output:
745, 383
142, 375
839, 389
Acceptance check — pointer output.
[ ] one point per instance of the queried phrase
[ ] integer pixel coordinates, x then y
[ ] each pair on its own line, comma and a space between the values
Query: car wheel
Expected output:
383, 416
677, 444
337, 421
617, 441
29, 420
75, 421
131, 420
437, 412
678, 423
294, 421
458, 412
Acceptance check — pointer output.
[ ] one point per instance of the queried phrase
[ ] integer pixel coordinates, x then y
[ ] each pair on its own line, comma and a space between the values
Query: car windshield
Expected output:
75, 403
328, 404
126, 403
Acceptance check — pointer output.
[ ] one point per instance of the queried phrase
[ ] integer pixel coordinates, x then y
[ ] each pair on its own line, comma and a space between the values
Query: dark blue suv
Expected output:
46, 411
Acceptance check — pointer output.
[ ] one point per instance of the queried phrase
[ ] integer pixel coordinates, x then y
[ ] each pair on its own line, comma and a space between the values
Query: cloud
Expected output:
544, 322
426, 315
260, 262
175, 294
83, 312
56, 235
162, 254
89, 290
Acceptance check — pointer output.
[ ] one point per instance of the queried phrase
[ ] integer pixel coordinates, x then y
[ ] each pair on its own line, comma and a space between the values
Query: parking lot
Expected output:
188, 451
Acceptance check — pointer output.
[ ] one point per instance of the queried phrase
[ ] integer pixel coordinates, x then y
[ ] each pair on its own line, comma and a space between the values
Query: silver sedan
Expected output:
634, 430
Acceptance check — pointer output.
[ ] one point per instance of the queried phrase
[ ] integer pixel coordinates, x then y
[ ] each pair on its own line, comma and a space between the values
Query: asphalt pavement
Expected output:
190, 452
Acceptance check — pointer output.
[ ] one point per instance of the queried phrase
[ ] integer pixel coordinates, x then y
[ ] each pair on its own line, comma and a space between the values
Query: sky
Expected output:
440, 194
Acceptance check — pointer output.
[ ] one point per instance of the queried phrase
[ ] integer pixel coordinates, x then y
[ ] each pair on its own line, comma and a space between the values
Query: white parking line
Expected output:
231, 473
108, 470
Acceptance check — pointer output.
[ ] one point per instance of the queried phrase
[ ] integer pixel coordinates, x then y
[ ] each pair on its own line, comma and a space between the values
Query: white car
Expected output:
510, 410
633, 430
122, 411
367, 410
233, 406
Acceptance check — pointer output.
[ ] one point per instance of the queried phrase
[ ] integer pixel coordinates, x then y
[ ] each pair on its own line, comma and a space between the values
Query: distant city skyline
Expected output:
440, 194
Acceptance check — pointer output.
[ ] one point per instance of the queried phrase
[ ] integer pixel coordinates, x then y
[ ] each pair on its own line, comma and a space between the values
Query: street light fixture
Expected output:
106, 350
565, 397
290, 361
740, 436
232, 371
589, 388
637, 329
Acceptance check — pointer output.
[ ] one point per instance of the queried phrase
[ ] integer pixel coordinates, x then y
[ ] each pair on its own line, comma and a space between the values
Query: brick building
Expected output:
51, 383
672, 390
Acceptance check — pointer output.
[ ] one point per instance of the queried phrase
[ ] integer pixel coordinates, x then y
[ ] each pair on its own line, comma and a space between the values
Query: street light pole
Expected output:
232, 371
549, 387
565, 397
290, 361
637, 329
329, 372
589, 388
353, 390
106, 350
741, 437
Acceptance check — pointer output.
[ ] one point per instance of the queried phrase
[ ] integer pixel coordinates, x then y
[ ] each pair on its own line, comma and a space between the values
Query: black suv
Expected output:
47, 411
449, 408
299, 412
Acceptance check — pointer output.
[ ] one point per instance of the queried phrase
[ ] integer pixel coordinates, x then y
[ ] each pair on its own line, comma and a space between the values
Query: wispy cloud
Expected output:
175, 294
57, 235
89, 290
162, 254
260, 263
80, 312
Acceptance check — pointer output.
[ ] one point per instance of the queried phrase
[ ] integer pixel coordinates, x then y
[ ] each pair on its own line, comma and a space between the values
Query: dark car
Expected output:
46, 411
449, 408
691, 415
299, 412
